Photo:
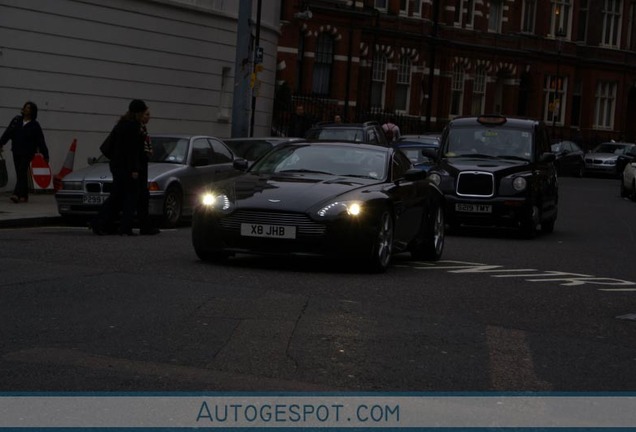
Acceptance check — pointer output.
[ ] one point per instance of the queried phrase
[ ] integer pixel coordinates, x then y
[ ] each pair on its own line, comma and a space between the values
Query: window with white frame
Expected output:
381, 4
322, 65
417, 8
612, 11
605, 105
560, 24
403, 84
495, 16
378, 80
479, 91
529, 16
457, 90
464, 13
404, 7
555, 88
582, 23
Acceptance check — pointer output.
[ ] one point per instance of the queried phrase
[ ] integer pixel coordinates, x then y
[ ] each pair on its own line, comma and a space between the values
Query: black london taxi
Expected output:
497, 171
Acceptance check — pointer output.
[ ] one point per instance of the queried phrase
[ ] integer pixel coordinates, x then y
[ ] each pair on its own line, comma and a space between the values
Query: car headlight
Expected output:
216, 201
519, 183
435, 178
350, 208
72, 185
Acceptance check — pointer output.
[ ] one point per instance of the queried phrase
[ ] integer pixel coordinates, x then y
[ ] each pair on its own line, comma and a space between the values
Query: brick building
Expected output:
568, 62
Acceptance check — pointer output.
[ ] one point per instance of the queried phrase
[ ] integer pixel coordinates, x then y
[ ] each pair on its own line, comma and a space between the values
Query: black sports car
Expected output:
363, 202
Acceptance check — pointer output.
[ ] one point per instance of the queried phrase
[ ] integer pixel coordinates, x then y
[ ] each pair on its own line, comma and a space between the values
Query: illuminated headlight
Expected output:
217, 202
351, 208
519, 183
435, 178
72, 185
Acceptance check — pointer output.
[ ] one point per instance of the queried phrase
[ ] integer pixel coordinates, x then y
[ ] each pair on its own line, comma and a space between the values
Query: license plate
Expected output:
473, 208
269, 231
93, 199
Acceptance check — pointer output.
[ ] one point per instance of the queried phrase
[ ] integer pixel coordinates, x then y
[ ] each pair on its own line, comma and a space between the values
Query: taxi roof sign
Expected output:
492, 119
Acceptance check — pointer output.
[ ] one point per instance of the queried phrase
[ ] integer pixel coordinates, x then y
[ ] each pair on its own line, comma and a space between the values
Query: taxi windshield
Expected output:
495, 142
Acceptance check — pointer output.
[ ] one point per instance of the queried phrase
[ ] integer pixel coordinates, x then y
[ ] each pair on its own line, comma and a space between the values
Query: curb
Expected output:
31, 222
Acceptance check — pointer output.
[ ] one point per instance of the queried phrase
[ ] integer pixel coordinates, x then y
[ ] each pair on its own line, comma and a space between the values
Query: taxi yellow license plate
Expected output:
268, 231
473, 208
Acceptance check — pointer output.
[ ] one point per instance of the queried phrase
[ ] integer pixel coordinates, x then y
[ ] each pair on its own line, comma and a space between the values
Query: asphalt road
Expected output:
85, 313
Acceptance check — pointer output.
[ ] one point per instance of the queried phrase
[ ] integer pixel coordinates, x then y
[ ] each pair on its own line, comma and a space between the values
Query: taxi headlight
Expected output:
72, 185
519, 183
216, 201
350, 208
435, 178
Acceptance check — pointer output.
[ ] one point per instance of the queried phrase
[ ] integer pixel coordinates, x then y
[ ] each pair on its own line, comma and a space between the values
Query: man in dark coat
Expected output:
299, 124
27, 139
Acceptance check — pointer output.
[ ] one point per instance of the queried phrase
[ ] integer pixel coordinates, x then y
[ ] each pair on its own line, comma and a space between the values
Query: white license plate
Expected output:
269, 231
93, 199
473, 208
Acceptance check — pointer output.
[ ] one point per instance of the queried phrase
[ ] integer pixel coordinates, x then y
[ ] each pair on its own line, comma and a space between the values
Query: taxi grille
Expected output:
304, 225
476, 184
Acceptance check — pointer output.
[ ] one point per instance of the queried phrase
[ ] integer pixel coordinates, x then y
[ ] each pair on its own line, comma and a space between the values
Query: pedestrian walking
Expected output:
27, 139
126, 164
391, 130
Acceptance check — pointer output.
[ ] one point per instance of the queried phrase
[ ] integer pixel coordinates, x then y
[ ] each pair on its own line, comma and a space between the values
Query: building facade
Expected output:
570, 63
81, 61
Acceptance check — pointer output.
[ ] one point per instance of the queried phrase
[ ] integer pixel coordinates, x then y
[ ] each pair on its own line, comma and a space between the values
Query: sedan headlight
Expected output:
72, 185
350, 208
519, 183
216, 201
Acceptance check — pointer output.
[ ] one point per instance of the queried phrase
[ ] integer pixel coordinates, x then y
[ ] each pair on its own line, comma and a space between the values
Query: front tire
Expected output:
172, 207
431, 245
382, 247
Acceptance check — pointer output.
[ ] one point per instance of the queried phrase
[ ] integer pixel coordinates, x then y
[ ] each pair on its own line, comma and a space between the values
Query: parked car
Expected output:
252, 148
368, 132
415, 146
602, 159
179, 167
626, 158
570, 158
358, 202
498, 171
628, 181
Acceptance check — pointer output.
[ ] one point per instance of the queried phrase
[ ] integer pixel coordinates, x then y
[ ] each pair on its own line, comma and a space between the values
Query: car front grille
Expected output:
98, 187
304, 225
475, 184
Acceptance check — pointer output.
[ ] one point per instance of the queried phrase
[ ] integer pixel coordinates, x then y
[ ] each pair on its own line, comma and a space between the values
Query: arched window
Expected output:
322, 65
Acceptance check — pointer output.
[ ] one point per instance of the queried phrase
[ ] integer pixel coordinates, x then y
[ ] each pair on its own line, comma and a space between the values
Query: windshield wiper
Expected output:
359, 176
514, 158
477, 155
305, 171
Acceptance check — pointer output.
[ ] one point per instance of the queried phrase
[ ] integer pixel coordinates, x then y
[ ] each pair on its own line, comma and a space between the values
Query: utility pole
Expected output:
242, 71
257, 62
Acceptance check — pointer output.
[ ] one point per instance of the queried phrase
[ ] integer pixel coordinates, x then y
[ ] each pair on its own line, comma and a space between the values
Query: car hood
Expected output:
604, 156
290, 192
501, 166
101, 172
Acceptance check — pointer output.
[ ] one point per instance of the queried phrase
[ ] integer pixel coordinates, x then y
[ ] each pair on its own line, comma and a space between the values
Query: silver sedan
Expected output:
179, 167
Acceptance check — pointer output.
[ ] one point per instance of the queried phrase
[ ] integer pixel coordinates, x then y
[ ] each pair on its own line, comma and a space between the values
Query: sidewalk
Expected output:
40, 210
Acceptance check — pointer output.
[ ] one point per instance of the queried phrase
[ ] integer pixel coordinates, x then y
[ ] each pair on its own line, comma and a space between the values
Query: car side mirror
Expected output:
414, 174
240, 164
547, 157
431, 153
91, 160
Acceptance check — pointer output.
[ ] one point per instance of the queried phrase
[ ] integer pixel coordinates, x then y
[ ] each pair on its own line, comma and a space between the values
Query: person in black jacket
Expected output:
125, 165
27, 139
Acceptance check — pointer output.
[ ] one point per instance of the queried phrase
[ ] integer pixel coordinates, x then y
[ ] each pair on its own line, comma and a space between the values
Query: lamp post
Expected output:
556, 101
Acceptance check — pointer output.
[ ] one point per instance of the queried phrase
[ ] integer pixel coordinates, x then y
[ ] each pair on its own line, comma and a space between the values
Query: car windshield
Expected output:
617, 149
414, 153
324, 159
169, 149
337, 134
432, 140
489, 142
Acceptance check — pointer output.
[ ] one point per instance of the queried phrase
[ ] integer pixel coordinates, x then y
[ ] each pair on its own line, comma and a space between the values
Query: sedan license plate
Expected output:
269, 231
93, 199
473, 208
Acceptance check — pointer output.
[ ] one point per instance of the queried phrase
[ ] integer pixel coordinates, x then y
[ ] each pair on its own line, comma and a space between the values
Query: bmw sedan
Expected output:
602, 159
180, 165
356, 201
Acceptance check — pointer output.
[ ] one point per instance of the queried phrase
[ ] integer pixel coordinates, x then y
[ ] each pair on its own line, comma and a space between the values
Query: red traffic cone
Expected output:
67, 167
